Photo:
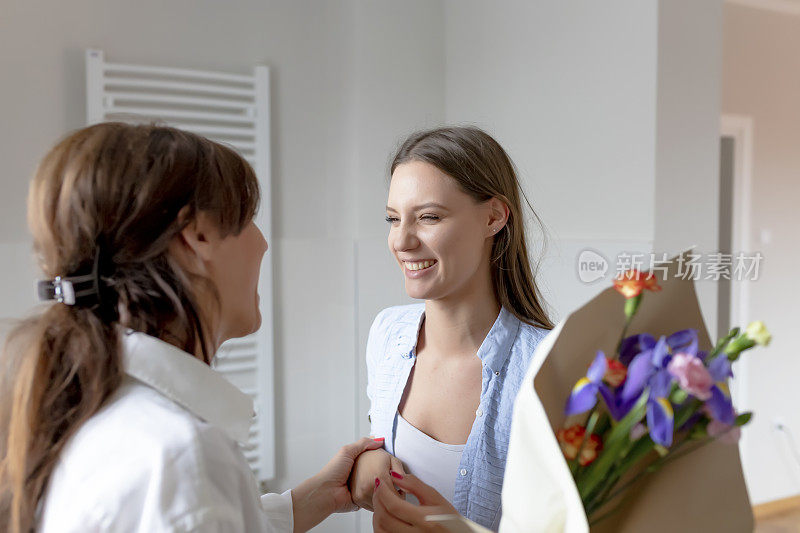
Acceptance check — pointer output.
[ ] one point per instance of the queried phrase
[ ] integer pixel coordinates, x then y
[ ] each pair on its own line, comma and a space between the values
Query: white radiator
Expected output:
228, 108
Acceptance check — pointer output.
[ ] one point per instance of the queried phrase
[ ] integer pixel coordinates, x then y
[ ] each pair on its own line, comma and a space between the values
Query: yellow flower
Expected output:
758, 333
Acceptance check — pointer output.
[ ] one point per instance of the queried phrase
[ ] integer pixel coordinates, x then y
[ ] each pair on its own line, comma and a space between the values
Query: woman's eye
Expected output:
430, 217
391, 220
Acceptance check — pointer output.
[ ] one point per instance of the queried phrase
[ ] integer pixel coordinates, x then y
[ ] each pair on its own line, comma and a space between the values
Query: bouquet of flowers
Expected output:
649, 403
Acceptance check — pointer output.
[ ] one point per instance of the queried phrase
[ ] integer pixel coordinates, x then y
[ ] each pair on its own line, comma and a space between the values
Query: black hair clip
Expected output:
83, 290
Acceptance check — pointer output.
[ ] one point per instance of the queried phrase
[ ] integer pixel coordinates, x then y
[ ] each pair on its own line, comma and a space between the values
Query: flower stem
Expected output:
657, 465
622, 336
591, 422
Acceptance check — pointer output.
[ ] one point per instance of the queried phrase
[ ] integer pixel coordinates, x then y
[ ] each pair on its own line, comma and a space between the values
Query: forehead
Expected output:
418, 182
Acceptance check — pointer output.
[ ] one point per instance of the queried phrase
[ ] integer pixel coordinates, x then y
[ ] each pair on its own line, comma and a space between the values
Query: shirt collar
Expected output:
496, 346
189, 382
493, 351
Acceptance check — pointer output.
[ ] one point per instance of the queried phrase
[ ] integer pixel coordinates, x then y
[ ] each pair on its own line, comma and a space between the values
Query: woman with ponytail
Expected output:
110, 417
443, 374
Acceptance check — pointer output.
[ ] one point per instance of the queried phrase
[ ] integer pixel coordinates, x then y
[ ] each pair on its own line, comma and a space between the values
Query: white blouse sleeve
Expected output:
278, 510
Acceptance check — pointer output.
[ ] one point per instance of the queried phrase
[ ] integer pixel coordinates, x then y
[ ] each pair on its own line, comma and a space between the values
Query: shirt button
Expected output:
463, 471
479, 412
497, 373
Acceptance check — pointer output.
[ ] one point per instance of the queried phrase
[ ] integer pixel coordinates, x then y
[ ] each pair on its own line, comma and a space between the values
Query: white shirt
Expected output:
161, 455
433, 462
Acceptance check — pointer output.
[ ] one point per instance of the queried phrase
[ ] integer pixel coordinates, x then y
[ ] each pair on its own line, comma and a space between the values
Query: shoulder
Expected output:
530, 336
525, 344
398, 314
393, 319
142, 450
400, 321
137, 413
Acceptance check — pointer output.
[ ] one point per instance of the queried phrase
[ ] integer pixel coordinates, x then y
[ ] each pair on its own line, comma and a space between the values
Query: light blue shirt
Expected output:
505, 353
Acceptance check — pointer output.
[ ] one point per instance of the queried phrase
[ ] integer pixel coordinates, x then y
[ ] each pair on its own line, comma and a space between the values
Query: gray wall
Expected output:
761, 79
610, 111
686, 207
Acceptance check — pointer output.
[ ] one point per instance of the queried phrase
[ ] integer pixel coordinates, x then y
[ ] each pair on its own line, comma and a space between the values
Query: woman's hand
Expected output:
327, 492
370, 465
394, 514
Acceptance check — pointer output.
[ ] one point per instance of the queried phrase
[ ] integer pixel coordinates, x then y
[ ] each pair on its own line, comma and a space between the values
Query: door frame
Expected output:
740, 128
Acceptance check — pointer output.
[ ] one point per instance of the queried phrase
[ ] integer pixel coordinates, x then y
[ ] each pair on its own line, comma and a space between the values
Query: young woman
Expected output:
443, 374
110, 417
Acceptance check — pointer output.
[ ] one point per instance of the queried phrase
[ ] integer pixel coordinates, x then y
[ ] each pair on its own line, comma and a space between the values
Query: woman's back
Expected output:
158, 456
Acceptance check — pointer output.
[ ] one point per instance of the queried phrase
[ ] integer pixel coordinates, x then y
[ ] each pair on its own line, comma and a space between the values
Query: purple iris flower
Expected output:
639, 372
720, 405
720, 368
633, 346
646, 359
660, 415
660, 355
584, 394
684, 340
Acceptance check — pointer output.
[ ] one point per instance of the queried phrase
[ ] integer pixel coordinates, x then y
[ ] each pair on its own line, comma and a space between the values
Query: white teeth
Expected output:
420, 265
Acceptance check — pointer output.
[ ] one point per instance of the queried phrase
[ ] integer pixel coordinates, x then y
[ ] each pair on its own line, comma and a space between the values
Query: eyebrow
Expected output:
421, 207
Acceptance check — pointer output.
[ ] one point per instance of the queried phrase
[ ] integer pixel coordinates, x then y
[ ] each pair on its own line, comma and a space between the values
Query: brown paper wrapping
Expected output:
703, 491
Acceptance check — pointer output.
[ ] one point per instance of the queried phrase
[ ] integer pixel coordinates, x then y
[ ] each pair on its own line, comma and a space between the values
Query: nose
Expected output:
262, 240
404, 238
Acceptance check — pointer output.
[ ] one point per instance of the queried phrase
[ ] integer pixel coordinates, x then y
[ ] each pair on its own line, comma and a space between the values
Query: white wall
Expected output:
350, 78
686, 197
760, 79
569, 89
608, 109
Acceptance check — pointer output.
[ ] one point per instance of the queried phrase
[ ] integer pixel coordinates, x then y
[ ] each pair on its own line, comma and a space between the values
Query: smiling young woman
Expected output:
443, 374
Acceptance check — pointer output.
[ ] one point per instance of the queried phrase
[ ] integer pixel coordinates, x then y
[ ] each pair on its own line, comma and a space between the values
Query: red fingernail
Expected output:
377, 482
379, 439
395, 474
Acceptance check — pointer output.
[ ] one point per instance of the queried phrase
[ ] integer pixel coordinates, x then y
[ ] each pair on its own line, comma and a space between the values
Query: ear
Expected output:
194, 246
498, 216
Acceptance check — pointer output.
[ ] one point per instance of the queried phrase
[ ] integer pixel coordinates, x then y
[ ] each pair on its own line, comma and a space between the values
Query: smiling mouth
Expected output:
415, 266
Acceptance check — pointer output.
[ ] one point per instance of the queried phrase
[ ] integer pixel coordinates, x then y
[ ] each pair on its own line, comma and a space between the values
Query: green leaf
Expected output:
737, 346
743, 419
615, 442
723, 342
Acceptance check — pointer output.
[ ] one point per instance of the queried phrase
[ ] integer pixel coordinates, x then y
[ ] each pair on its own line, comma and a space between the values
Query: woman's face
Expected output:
440, 236
234, 267
232, 264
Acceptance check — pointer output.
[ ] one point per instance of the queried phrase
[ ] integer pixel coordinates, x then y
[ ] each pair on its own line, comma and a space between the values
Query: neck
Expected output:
457, 325
178, 338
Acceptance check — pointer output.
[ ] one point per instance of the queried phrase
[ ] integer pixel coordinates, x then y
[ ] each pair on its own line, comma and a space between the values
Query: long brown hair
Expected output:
483, 170
116, 189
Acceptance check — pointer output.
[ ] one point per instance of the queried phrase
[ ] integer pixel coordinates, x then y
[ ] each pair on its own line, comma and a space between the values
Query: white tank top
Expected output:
433, 462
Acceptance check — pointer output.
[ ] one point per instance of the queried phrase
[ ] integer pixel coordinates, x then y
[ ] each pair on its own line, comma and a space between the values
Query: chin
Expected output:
257, 322
248, 325
419, 293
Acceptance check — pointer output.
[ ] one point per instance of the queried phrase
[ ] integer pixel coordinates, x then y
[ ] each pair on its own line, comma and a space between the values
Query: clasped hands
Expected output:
378, 483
